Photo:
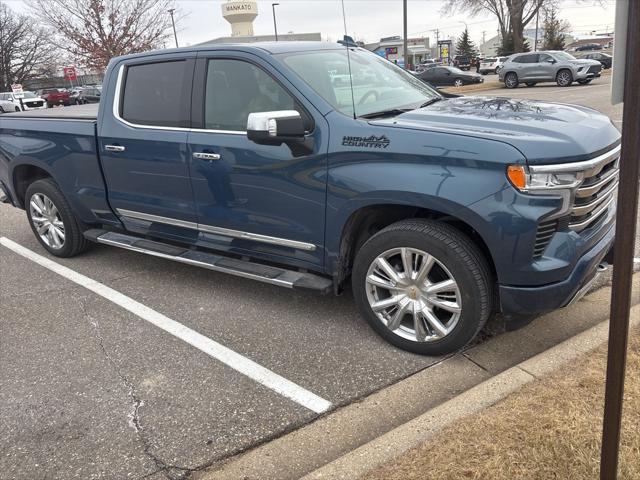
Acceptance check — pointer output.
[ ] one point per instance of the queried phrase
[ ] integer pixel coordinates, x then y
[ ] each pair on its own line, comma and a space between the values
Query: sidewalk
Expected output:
551, 428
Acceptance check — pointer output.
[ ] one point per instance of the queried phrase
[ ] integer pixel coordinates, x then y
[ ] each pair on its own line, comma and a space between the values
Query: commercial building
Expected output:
392, 48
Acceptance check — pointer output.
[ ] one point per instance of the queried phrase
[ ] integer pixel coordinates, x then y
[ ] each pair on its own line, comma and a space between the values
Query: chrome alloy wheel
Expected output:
564, 78
46, 220
413, 294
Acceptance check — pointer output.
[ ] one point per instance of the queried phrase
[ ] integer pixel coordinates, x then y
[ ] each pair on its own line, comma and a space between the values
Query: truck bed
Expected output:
76, 112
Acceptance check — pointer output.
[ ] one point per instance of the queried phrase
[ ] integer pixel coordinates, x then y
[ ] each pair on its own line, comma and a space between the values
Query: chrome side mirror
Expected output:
275, 127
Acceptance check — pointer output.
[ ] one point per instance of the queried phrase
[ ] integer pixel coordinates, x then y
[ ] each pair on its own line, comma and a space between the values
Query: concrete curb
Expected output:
415, 432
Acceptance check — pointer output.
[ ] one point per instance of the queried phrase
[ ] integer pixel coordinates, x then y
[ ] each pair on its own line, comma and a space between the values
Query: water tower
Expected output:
240, 14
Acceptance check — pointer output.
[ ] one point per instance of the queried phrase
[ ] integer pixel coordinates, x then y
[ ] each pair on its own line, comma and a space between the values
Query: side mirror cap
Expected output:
275, 128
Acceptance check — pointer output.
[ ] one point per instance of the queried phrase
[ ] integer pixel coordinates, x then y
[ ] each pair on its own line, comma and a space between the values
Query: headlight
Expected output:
542, 182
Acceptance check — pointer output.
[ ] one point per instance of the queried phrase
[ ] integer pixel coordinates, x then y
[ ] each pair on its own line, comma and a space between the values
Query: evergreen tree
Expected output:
554, 29
464, 46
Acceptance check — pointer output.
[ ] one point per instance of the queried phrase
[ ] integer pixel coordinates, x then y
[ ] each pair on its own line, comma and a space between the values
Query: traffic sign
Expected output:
70, 73
16, 88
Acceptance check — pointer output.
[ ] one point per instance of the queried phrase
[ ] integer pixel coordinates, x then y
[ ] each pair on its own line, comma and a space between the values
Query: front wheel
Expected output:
423, 286
52, 220
511, 80
564, 78
458, 82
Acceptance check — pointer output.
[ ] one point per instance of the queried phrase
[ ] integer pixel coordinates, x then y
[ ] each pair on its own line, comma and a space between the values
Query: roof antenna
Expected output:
348, 42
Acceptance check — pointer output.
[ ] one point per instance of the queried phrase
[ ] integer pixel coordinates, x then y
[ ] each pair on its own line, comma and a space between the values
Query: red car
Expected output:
54, 97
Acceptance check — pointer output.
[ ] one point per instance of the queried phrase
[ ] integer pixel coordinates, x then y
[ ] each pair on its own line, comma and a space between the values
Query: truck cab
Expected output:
249, 159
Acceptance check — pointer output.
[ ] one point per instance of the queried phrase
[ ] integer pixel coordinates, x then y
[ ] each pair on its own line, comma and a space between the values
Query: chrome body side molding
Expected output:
225, 232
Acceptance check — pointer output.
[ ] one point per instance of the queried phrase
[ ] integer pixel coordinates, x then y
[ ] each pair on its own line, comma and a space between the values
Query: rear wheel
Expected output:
52, 221
423, 286
564, 78
511, 80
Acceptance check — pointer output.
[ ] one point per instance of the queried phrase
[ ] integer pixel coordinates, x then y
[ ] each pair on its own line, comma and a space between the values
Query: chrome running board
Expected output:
219, 263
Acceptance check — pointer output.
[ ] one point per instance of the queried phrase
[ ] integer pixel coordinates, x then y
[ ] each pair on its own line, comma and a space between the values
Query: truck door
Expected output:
258, 199
143, 145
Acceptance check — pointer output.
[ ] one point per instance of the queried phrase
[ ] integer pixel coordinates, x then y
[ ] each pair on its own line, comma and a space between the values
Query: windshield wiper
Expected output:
430, 102
385, 113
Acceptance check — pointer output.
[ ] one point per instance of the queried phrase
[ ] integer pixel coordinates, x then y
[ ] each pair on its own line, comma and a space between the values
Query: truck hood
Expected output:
543, 132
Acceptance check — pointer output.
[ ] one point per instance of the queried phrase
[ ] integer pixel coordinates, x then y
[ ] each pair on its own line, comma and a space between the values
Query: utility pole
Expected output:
621, 288
535, 43
173, 23
437, 32
484, 34
404, 29
275, 26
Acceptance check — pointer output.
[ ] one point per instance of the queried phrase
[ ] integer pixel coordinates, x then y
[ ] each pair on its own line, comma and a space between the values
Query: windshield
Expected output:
456, 70
29, 95
378, 85
563, 56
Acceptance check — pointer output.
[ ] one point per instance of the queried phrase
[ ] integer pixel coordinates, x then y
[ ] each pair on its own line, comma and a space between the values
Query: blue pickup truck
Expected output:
252, 160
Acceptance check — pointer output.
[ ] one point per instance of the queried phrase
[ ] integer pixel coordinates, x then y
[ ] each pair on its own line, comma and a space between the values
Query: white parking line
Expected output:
214, 349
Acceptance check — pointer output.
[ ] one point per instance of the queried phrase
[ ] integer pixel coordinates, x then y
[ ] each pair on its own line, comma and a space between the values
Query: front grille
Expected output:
596, 192
34, 104
594, 69
546, 231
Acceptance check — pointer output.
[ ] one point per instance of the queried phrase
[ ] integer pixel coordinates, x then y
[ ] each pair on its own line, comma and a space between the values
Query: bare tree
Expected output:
25, 49
94, 31
512, 15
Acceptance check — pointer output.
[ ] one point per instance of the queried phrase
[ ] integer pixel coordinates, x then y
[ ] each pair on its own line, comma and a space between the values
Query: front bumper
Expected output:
529, 301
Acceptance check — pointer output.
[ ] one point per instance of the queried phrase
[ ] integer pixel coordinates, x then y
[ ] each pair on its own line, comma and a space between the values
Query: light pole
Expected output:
173, 23
275, 26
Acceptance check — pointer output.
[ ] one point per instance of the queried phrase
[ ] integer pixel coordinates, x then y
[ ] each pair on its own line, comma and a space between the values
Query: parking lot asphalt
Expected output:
91, 389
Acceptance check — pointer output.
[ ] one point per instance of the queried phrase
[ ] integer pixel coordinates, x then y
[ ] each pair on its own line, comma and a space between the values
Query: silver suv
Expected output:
550, 66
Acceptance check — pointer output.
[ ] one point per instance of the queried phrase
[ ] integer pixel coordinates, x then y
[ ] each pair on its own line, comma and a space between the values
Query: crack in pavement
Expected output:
171, 472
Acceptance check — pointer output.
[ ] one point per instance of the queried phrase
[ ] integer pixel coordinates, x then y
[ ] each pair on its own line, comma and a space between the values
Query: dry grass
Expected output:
548, 430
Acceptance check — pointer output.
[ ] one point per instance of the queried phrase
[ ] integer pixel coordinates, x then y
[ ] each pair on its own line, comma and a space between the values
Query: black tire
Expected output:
511, 80
1, 110
459, 255
531, 84
560, 78
458, 82
74, 242
585, 82
49, 105
497, 70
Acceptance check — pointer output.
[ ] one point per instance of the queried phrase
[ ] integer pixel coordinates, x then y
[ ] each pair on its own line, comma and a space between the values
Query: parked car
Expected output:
437, 211
588, 47
462, 62
88, 95
73, 95
449, 76
7, 106
549, 66
492, 65
30, 101
54, 96
604, 58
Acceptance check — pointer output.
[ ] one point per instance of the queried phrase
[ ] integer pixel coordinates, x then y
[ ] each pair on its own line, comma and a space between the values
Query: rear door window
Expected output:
156, 94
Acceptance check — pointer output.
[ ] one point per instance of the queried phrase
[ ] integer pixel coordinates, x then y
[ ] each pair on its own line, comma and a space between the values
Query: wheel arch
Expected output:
24, 175
366, 221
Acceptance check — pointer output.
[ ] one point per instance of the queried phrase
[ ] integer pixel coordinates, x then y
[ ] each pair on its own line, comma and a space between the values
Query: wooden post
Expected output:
623, 251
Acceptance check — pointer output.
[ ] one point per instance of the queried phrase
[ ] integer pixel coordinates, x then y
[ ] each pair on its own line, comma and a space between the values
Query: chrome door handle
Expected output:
206, 156
114, 148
